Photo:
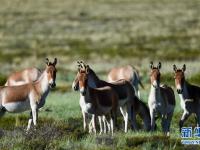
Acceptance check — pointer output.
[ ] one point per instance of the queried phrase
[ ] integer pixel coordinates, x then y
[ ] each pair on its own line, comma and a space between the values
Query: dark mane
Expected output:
93, 74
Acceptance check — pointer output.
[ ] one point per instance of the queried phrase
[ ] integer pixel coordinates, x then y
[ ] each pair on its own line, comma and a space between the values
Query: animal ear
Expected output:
174, 67
47, 61
184, 67
79, 65
159, 65
151, 65
55, 61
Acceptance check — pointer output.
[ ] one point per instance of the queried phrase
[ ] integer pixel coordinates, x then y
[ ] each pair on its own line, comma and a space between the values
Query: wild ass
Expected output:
128, 73
126, 96
161, 100
29, 96
96, 101
189, 95
23, 77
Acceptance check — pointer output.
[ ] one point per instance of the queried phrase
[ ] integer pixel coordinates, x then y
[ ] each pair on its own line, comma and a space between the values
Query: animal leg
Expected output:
168, 122
111, 125
104, 123
35, 115
152, 114
164, 123
94, 123
30, 121
133, 118
107, 123
198, 119
138, 93
125, 116
100, 124
2, 111
84, 120
183, 119
90, 126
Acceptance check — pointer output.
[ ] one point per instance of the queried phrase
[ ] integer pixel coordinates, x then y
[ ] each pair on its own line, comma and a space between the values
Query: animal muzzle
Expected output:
52, 85
179, 91
75, 87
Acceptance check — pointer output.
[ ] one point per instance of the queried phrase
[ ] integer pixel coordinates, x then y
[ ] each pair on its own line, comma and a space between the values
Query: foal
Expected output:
161, 100
29, 96
124, 90
96, 101
189, 95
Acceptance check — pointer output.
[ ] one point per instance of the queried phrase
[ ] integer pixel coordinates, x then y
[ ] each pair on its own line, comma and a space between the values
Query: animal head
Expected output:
155, 74
179, 78
51, 72
80, 81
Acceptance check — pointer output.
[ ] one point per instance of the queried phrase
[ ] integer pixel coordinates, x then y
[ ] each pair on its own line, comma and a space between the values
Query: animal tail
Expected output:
141, 84
138, 77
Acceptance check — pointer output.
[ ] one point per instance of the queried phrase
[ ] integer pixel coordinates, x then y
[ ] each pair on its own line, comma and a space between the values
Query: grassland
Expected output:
60, 127
104, 33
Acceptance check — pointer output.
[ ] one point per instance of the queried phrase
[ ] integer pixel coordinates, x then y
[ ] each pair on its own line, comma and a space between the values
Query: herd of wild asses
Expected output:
101, 100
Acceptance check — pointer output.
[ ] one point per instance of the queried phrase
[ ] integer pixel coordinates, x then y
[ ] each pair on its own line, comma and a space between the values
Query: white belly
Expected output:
16, 107
86, 106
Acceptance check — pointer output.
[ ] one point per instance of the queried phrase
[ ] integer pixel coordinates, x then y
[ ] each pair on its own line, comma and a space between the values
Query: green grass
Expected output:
97, 30
60, 127
104, 33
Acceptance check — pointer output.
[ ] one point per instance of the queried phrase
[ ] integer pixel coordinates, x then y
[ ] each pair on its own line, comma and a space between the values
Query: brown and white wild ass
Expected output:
189, 95
29, 96
127, 100
128, 73
23, 77
161, 100
96, 101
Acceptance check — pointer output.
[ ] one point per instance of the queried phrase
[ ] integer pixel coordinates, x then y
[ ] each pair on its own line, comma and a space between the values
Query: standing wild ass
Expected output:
29, 96
128, 73
126, 95
96, 101
161, 100
189, 95
23, 77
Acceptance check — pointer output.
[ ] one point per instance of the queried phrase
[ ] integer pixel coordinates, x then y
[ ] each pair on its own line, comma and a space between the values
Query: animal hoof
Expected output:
27, 131
168, 134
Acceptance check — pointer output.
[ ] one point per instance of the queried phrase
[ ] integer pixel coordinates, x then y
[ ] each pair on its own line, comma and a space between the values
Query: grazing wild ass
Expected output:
96, 101
161, 100
189, 95
128, 73
23, 77
30, 96
127, 101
